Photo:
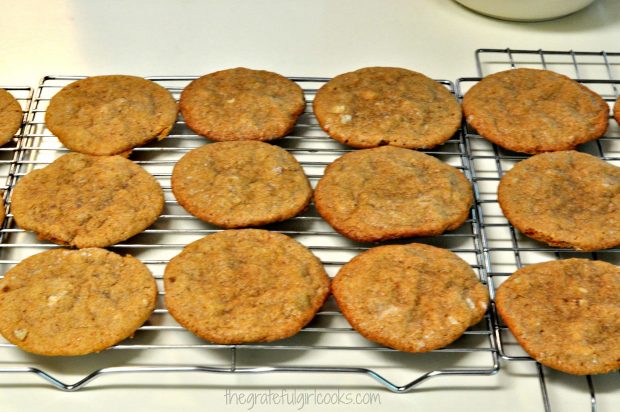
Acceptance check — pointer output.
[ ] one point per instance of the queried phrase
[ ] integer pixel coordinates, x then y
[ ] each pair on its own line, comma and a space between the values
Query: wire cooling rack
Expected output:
8, 152
176, 350
504, 248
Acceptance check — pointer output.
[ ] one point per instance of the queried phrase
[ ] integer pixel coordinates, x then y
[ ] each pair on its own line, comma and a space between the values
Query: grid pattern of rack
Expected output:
8, 152
506, 249
474, 354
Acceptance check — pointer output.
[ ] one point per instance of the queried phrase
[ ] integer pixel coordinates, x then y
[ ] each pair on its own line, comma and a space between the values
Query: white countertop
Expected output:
295, 38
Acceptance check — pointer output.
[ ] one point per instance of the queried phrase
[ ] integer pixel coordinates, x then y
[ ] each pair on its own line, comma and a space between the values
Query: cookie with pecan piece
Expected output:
74, 302
238, 184
109, 115
376, 106
565, 314
242, 104
390, 192
413, 298
87, 201
241, 286
534, 111
566, 199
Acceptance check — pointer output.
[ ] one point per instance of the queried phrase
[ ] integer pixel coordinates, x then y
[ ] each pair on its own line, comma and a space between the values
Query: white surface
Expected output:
300, 38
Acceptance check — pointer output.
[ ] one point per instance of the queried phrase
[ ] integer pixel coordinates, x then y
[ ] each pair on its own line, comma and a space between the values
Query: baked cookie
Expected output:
617, 110
389, 192
565, 314
108, 115
242, 104
241, 286
376, 106
87, 201
413, 298
74, 302
10, 116
237, 184
566, 199
534, 111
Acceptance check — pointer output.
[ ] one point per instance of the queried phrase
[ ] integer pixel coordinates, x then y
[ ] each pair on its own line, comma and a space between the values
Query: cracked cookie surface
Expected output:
413, 298
242, 104
241, 286
74, 302
534, 111
565, 314
10, 116
87, 201
390, 192
109, 115
566, 199
243, 183
375, 106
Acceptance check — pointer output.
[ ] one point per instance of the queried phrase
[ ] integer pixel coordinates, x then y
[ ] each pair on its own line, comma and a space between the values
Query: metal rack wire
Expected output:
8, 152
474, 354
504, 248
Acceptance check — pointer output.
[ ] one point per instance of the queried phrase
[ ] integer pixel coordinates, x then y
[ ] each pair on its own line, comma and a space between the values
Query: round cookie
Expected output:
87, 201
617, 110
238, 184
376, 106
241, 286
242, 104
10, 116
534, 111
74, 302
109, 115
389, 192
565, 314
566, 199
413, 298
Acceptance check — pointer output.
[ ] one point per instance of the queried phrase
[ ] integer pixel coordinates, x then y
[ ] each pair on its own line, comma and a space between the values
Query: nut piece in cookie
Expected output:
389, 192
376, 106
534, 111
413, 298
566, 199
87, 201
109, 115
10, 116
565, 314
241, 286
242, 104
74, 302
239, 184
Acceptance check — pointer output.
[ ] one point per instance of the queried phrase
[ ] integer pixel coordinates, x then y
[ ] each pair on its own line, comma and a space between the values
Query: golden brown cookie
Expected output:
238, 184
73, 302
565, 314
87, 201
376, 106
534, 111
389, 192
242, 104
108, 115
10, 116
566, 199
617, 110
413, 298
241, 286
